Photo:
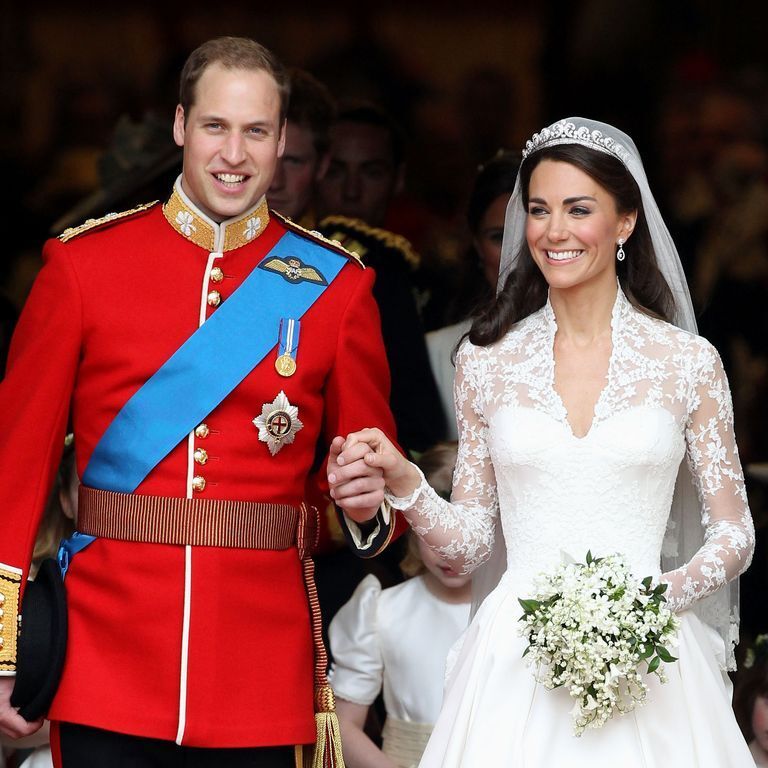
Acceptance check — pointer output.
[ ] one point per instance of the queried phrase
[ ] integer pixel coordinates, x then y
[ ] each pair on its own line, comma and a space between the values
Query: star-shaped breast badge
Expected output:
278, 423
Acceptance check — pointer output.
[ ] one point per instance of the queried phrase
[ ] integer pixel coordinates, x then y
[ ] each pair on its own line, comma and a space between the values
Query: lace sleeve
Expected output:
713, 459
462, 530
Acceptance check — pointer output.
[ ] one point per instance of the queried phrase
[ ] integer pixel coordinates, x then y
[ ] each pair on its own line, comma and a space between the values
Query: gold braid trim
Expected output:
10, 589
90, 224
326, 751
312, 234
390, 239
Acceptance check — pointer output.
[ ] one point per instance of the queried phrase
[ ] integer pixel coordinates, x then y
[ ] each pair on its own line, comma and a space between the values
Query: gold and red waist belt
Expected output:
226, 523
198, 522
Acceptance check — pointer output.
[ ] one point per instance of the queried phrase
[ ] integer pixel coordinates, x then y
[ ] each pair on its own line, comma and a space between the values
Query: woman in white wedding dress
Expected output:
581, 395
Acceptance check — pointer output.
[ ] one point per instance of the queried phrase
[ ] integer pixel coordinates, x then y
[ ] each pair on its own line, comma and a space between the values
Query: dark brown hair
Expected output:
232, 53
437, 463
525, 290
751, 683
311, 106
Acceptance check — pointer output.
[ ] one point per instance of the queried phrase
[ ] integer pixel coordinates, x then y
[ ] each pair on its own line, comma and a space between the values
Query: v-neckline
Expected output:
563, 411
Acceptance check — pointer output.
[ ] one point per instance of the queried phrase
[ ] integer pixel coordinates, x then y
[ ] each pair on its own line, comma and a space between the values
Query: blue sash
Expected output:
210, 364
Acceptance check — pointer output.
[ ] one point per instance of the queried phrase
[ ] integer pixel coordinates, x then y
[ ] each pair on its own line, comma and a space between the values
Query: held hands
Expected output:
12, 724
361, 466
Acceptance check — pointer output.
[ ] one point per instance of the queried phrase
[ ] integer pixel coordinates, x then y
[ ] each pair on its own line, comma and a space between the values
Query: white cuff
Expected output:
406, 502
383, 515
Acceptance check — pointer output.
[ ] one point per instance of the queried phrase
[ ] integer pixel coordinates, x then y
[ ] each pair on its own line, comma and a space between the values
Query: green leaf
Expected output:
665, 655
589, 557
647, 651
529, 606
654, 665
647, 582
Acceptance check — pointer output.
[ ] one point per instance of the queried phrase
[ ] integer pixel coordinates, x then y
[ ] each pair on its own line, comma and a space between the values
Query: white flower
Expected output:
591, 627
185, 220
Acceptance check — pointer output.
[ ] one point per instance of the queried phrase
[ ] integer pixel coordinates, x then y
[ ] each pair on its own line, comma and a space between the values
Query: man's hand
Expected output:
361, 466
355, 486
12, 724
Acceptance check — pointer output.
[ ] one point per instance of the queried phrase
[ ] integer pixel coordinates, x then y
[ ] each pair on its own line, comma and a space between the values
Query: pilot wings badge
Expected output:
294, 270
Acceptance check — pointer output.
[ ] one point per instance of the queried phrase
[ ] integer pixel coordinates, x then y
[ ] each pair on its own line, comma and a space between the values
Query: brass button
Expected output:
201, 456
214, 298
198, 483
202, 431
217, 274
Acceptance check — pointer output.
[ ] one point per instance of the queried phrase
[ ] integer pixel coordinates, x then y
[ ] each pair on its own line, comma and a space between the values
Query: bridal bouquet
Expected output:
592, 627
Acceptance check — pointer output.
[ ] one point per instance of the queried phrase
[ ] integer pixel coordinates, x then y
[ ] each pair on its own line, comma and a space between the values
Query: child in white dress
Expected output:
377, 640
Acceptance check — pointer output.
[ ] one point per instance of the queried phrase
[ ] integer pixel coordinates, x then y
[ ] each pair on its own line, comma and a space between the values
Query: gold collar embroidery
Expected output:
189, 222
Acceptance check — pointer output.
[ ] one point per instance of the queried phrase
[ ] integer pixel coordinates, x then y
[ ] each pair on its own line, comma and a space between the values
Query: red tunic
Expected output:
206, 646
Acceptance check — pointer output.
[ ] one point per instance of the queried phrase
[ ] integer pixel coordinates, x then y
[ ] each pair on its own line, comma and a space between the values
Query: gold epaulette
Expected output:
90, 224
313, 234
390, 239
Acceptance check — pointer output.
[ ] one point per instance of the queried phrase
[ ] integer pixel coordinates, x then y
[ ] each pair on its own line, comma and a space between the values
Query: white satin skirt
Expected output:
496, 714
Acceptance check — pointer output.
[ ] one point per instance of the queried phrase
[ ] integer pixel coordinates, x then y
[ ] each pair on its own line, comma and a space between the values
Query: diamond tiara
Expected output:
567, 133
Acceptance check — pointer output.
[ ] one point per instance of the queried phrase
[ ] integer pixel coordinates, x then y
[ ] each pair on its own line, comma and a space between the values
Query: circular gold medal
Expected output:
285, 365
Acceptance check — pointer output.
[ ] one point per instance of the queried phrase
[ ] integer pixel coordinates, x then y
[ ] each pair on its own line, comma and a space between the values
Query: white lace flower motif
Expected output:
252, 227
186, 220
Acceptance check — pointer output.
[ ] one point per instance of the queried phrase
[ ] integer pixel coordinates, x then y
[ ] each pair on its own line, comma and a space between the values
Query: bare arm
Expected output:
359, 750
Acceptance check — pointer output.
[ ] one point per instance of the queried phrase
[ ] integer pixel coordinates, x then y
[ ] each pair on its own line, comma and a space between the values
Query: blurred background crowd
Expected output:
426, 108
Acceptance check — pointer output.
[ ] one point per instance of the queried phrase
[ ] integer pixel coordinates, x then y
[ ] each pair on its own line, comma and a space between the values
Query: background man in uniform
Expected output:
205, 349
366, 171
367, 167
311, 112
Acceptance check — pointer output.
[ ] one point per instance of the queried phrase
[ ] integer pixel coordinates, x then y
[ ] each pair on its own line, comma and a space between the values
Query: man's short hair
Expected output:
366, 113
311, 106
232, 53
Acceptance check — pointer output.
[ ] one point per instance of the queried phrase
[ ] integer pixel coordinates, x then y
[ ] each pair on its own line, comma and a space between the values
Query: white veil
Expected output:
685, 534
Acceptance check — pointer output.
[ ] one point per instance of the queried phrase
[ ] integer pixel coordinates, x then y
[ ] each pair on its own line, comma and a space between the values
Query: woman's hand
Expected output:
360, 466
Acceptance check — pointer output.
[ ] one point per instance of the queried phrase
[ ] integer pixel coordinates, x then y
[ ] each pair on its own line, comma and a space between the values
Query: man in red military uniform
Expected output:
204, 349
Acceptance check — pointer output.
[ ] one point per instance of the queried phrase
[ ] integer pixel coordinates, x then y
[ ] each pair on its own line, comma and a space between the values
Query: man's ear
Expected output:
281, 140
323, 164
178, 126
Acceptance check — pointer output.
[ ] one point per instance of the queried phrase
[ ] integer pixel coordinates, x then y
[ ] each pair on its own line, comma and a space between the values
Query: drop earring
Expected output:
620, 255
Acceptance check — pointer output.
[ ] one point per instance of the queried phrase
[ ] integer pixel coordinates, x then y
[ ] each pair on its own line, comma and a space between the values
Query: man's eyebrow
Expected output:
213, 118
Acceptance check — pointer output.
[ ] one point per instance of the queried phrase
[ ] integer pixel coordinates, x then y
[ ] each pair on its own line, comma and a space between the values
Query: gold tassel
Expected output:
328, 752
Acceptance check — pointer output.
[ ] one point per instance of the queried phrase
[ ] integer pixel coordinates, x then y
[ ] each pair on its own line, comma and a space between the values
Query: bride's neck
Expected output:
583, 312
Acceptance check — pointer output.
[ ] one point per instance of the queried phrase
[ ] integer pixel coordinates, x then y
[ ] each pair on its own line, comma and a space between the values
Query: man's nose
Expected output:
352, 186
233, 150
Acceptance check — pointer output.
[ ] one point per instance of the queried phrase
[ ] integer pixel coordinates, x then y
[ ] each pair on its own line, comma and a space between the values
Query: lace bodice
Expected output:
666, 397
